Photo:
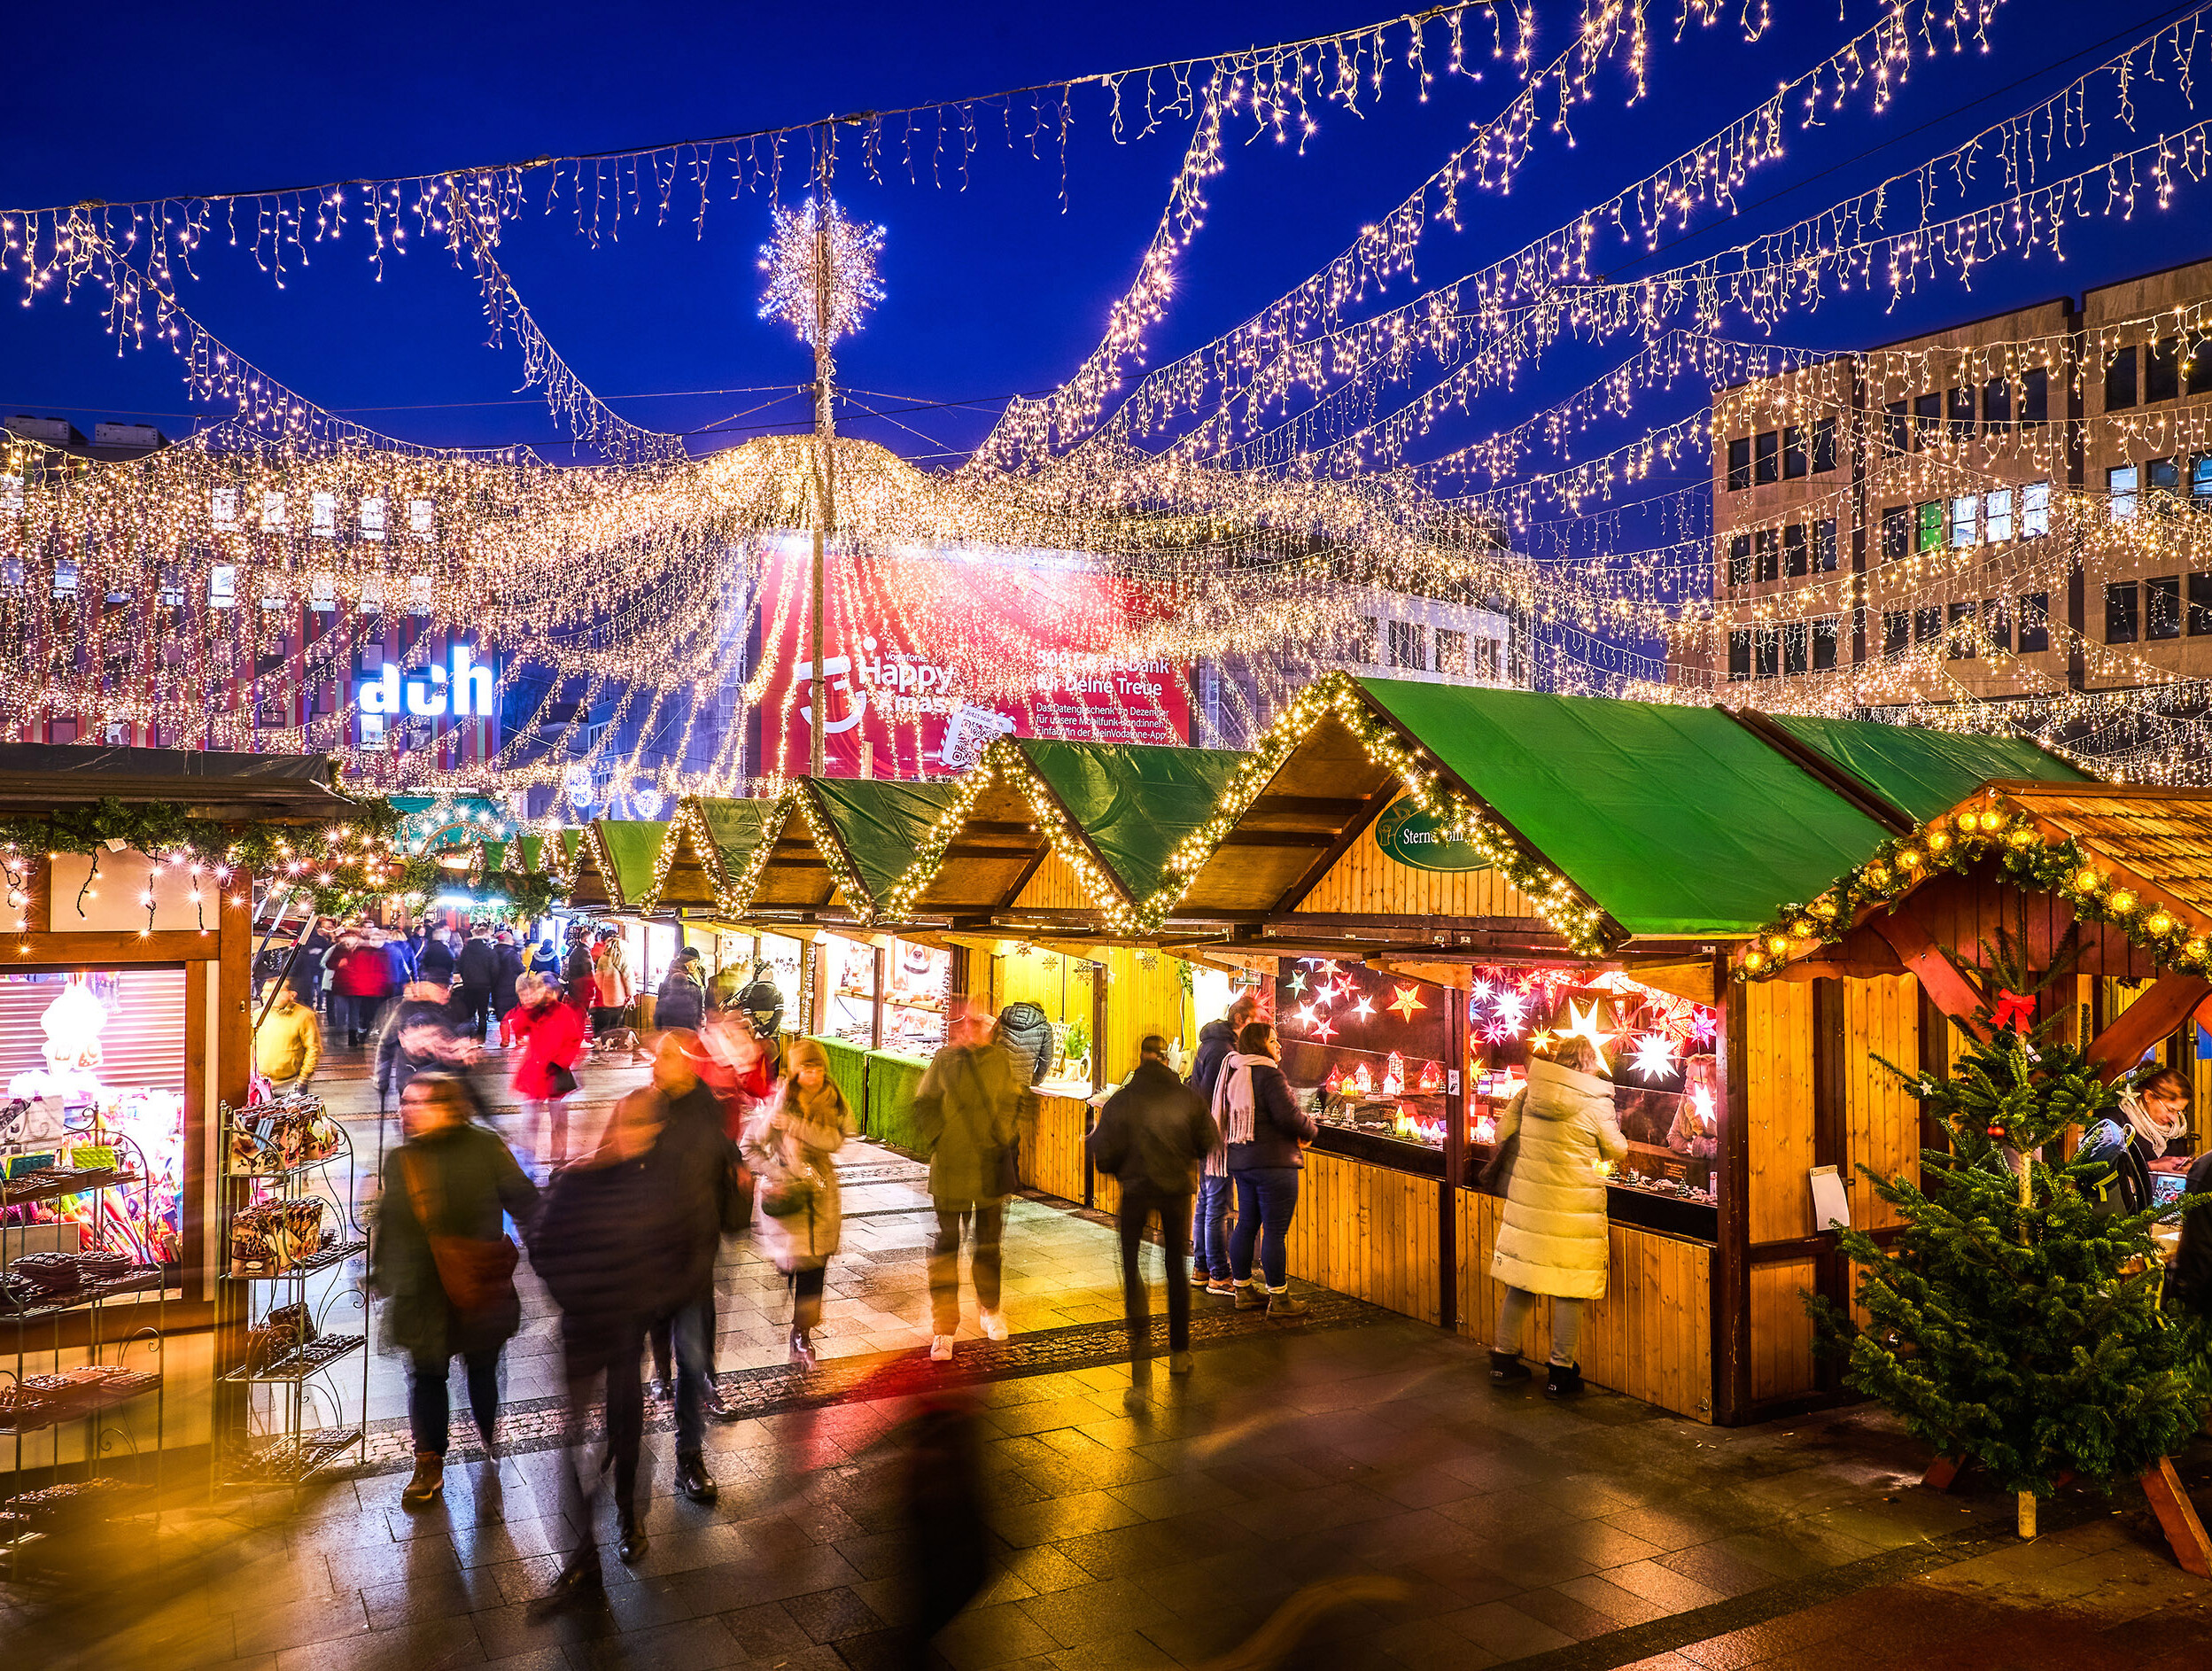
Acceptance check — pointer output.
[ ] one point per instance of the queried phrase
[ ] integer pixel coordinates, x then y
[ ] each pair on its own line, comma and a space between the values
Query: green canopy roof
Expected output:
1922, 772
1137, 803
1676, 820
737, 828
633, 847
532, 849
494, 855
882, 824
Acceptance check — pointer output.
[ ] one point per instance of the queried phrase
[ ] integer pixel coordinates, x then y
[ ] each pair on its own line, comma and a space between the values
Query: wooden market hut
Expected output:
614, 867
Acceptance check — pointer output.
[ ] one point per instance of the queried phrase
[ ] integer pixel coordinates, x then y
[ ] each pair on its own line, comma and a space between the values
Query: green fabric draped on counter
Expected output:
880, 1085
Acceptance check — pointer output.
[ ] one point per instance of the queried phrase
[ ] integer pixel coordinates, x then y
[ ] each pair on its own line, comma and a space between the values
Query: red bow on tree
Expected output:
2013, 1010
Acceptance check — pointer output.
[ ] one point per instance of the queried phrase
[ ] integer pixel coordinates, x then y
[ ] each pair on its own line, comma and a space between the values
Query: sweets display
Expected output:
269, 1238
279, 1136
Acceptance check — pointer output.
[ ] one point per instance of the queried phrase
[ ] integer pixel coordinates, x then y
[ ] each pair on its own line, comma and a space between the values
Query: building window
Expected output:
1739, 655
2196, 377
1825, 632
2163, 475
2161, 371
2035, 622
2035, 510
1965, 519
1793, 550
1767, 554
2200, 605
1824, 434
1897, 531
1824, 545
1929, 525
2035, 396
1451, 652
2120, 381
2201, 476
1409, 644
1766, 646
1896, 631
1997, 404
1794, 657
1928, 623
1927, 418
1370, 636
2123, 613
1996, 516
1962, 404
1896, 428
1997, 623
1958, 642
1793, 458
2162, 607
1739, 463
1740, 559
2120, 486
1763, 450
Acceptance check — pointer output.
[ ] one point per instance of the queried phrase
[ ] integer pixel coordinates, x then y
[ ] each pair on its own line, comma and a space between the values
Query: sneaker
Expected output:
1564, 1379
994, 1325
1200, 1279
1251, 1296
1282, 1308
1180, 1363
1507, 1366
941, 1349
1221, 1286
1135, 1399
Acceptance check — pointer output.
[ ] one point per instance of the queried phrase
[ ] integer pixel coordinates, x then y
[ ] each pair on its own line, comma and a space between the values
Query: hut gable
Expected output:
1370, 877
1054, 886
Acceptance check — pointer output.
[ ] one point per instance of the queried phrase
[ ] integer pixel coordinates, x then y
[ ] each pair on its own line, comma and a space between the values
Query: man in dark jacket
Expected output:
435, 962
478, 966
1151, 1135
682, 999
607, 1251
1209, 1263
693, 1159
306, 967
509, 970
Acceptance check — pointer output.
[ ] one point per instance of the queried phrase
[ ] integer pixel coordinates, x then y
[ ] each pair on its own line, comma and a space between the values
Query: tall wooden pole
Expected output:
826, 457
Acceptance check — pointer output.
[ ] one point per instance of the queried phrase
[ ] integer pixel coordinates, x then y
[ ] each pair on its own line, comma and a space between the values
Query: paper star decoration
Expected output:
1702, 1027
1541, 1040
1306, 1016
1364, 1008
1582, 1025
1654, 1056
1512, 1010
1322, 1031
1405, 1001
1297, 981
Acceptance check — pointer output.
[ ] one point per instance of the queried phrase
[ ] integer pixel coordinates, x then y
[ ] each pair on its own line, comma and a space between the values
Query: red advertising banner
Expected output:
929, 659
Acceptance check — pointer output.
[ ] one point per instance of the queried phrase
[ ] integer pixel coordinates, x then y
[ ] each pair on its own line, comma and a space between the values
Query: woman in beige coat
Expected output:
1553, 1239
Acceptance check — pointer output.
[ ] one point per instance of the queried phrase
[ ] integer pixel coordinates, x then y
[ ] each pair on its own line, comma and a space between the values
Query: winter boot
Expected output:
429, 1481
1282, 1308
1564, 1378
1507, 1366
1251, 1296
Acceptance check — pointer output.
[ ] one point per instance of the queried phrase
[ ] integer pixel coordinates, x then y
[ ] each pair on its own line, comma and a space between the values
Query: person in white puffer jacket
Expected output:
1553, 1238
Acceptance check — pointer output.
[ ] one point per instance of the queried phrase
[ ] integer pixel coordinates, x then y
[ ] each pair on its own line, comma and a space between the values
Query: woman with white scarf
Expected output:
792, 1145
2155, 1108
1265, 1132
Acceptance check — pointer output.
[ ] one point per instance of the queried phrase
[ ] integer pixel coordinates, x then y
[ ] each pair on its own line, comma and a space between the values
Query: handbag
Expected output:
559, 1081
1496, 1176
475, 1274
789, 1191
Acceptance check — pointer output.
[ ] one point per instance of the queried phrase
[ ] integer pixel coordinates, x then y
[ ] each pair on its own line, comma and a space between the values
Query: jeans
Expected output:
1514, 1306
806, 1295
352, 1015
1140, 1203
944, 1262
1210, 1232
429, 1408
580, 1474
470, 1007
694, 1341
1266, 1198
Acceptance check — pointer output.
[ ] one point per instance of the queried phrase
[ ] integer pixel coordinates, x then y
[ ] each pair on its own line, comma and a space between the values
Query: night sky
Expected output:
992, 289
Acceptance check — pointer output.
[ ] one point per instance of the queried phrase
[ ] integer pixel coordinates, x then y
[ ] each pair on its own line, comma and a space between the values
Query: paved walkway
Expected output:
1353, 1492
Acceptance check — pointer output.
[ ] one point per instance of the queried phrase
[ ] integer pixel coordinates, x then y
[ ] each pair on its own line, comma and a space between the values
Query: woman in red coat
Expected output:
552, 1036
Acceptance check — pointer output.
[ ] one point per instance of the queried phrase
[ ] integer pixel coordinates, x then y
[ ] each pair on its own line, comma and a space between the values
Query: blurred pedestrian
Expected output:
509, 971
792, 1145
398, 950
1151, 1135
418, 1037
577, 981
682, 999
605, 1251
434, 963
695, 1158
967, 1111
612, 996
287, 1040
1209, 1263
1265, 1132
743, 1068
445, 1267
360, 982
307, 968
552, 1036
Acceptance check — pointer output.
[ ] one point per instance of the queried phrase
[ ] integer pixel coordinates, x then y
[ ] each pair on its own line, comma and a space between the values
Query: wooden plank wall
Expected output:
1051, 1149
1368, 880
1881, 1124
1144, 995
1781, 1330
1777, 1195
1060, 986
1651, 1335
1054, 886
1368, 1231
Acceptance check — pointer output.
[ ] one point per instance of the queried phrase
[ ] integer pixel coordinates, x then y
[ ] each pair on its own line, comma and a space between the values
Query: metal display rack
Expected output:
105, 1392
277, 1443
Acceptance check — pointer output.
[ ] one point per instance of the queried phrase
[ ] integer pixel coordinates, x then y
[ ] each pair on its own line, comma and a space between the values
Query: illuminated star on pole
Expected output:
1655, 1057
796, 241
1582, 1025
1405, 1001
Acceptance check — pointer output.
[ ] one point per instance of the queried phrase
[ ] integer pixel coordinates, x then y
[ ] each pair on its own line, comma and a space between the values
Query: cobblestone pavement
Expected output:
1353, 1495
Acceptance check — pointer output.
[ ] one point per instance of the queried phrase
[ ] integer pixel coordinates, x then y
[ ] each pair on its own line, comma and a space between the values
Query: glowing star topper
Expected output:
798, 241
1405, 1001
1655, 1057
1583, 1025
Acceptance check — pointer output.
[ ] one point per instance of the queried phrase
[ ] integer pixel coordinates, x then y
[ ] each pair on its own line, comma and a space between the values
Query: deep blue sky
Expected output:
991, 291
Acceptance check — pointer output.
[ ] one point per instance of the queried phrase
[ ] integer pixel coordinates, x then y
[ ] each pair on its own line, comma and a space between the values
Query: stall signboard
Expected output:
930, 657
1417, 839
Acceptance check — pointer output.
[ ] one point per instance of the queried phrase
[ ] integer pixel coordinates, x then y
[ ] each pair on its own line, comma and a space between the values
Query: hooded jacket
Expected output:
681, 1001
1553, 1237
1216, 1040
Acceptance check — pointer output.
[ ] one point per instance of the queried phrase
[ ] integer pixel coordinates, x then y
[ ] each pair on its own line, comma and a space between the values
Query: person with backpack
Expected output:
2153, 1111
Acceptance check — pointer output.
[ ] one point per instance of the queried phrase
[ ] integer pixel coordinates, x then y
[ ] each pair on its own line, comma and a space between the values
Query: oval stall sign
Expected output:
1414, 837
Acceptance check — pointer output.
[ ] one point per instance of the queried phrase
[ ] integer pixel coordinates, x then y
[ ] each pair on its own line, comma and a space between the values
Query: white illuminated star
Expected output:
1655, 1057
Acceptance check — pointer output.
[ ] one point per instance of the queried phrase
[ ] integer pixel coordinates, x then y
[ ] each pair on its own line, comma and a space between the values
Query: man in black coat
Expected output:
508, 957
1152, 1135
478, 968
435, 962
693, 1157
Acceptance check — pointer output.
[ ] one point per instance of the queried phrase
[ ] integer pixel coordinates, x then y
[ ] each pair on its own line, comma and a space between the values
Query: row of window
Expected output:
2164, 376
1783, 454
1908, 425
1768, 554
2160, 476
2155, 610
1966, 519
1799, 647
1456, 657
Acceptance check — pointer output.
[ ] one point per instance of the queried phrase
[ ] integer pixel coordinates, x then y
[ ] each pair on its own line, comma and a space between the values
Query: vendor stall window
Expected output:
1364, 1050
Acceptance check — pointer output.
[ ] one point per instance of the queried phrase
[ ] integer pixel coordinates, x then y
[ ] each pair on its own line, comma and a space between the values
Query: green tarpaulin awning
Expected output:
1676, 820
532, 851
738, 827
882, 824
1922, 772
1137, 804
633, 847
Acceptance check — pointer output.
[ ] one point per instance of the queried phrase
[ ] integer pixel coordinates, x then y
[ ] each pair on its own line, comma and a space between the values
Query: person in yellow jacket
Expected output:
288, 1044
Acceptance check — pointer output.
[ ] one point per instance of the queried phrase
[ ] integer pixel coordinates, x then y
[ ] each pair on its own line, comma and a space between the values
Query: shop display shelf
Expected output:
21, 1192
288, 1461
321, 1260
41, 1417
311, 1359
242, 1174
139, 1280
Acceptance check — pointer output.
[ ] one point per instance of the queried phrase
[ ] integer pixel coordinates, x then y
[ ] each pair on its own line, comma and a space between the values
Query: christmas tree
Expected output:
2011, 1323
